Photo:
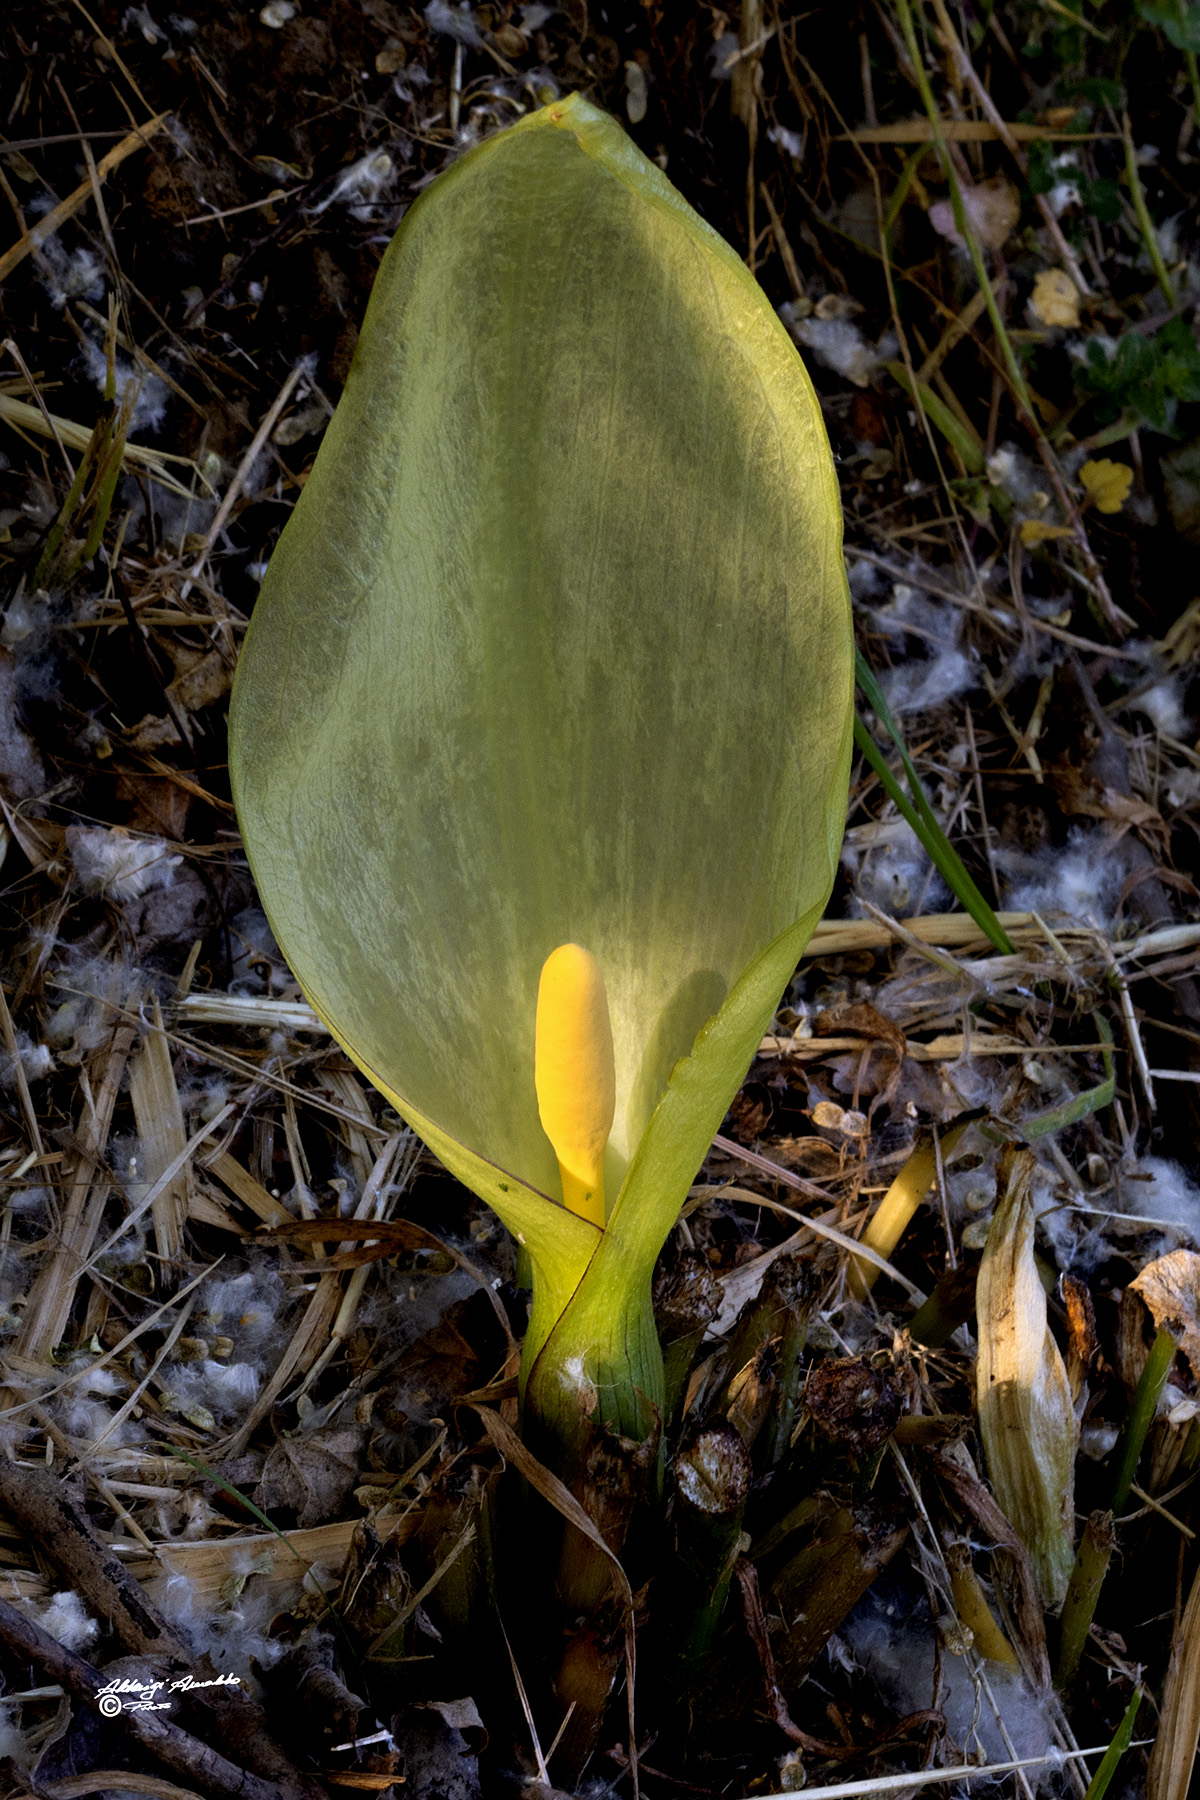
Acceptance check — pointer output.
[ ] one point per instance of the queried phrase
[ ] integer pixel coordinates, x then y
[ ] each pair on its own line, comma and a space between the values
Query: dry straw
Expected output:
1174, 1752
1026, 1417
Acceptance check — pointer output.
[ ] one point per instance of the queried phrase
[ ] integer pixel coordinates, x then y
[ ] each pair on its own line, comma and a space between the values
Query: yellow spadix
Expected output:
575, 1074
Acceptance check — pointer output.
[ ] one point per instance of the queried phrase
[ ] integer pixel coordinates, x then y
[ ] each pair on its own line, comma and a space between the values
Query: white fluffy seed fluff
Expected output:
66, 1620
1163, 705
839, 345
92, 987
113, 863
892, 1636
1080, 881
1159, 1189
35, 1060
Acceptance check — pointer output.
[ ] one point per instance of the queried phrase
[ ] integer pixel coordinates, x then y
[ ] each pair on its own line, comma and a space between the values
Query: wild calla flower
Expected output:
555, 652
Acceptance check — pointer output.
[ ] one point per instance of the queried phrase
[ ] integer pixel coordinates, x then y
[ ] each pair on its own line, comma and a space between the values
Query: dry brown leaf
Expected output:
1026, 1417
200, 678
152, 733
1055, 299
864, 1019
992, 209
1170, 1286
314, 1473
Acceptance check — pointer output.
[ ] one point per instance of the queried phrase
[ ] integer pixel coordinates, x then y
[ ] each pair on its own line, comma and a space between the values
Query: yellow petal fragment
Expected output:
1107, 483
575, 1074
1055, 299
1037, 531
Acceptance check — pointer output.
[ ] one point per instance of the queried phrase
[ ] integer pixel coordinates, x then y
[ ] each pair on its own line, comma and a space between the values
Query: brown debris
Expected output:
854, 1403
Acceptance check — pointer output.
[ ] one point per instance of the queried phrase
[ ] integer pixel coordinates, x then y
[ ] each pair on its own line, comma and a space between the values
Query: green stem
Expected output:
815, 1590
962, 222
789, 1367
1145, 1403
1083, 1592
712, 1475
1096, 1545
918, 813
900, 195
949, 1305
65, 515
968, 451
1137, 193
1189, 57
592, 1414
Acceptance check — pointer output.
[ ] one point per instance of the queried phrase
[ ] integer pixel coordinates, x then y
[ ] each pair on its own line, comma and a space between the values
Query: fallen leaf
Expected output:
153, 733
200, 678
1084, 797
461, 1716
1107, 483
1055, 299
992, 209
1036, 531
443, 1363
314, 1473
1170, 1286
865, 1020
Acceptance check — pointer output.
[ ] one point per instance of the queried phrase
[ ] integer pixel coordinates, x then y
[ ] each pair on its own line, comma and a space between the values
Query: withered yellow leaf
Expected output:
1106, 484
1036, 531
1055, 299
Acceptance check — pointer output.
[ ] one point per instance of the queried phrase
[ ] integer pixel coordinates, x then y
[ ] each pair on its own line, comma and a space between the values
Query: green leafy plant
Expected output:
1178, 20
1145, 377
555, 651
1100, 196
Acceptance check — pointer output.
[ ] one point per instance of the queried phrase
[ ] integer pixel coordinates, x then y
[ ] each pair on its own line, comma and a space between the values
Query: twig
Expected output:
50, 422
1008, 138
176, 1749
243, 469
19, 1077
46, 1513
1138, 195
66, 209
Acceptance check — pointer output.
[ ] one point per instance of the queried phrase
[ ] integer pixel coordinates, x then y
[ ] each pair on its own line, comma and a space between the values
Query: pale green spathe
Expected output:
555, 648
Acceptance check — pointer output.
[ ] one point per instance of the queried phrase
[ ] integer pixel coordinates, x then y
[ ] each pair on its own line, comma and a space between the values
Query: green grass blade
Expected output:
1092, 1101
1122, 1738
965, 447
918, 812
